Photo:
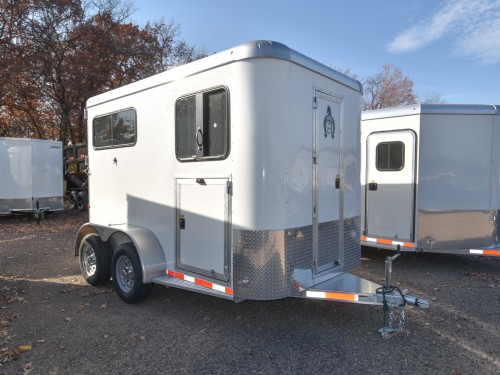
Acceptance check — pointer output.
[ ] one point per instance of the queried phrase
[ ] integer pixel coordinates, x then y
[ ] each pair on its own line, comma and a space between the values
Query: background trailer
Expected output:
30, 174
431, 177
236, 176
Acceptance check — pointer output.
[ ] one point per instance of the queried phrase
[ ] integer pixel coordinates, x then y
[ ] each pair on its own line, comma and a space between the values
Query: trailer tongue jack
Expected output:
393, 298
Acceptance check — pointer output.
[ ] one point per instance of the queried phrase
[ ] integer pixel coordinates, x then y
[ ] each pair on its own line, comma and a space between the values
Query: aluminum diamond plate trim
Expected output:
328, 243
352, 247
272, 264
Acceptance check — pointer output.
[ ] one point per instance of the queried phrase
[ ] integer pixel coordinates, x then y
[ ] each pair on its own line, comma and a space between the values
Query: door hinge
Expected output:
229, 188
315, 103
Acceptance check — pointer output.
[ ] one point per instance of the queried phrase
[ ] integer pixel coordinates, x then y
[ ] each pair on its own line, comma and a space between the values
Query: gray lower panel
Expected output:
52, 203
6, 205
456, 229
273, 264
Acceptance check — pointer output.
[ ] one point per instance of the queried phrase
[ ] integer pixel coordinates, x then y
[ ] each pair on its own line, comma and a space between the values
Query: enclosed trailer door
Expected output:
390, 185
47, 171
327, 218
203, 226
16, 176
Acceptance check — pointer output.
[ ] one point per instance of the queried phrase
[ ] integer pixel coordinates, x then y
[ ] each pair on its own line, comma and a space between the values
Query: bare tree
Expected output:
347, 70
170, 50
388, 88
432, 98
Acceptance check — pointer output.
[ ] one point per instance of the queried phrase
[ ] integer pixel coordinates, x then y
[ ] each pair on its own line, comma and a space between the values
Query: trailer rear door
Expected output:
390, 185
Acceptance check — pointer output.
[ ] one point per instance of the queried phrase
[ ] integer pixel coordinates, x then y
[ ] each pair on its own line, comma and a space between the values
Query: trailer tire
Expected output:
82, 202
95, 260
127, 275
73, 198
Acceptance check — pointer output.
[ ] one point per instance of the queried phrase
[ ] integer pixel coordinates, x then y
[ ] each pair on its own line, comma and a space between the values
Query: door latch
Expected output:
182, 222
373, 186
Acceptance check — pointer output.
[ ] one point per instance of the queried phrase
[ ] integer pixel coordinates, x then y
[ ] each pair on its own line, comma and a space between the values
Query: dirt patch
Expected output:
52, 322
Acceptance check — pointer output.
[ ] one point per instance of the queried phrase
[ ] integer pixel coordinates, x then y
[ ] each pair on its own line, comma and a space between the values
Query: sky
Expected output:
449, 47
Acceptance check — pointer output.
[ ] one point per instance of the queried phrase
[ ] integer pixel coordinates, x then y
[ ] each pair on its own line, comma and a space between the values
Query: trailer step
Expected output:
188, 285
345, 287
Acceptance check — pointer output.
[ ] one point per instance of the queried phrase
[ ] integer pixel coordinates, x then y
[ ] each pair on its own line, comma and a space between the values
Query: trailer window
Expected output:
115, 130
202, 126
390, 156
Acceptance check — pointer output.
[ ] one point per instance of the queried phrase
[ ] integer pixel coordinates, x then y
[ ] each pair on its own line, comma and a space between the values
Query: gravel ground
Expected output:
51, 322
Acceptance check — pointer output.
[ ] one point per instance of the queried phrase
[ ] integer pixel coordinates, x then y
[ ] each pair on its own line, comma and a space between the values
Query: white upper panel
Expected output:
442, 109
249, 50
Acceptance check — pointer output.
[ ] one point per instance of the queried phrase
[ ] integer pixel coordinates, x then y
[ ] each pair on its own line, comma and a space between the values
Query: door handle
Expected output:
373, 186
199, 139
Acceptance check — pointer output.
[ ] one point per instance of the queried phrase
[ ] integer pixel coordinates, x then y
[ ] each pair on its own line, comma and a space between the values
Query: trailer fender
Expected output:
145, 242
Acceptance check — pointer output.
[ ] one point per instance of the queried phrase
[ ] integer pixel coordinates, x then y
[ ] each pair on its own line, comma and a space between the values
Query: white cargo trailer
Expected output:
235, 176
430, 178
31, 175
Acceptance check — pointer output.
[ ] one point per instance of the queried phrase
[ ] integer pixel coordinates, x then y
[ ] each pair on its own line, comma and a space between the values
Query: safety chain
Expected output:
393, 323
393, 319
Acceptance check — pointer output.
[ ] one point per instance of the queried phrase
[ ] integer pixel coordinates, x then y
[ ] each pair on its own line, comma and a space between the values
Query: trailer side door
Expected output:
390, 185
203, 226
327, 213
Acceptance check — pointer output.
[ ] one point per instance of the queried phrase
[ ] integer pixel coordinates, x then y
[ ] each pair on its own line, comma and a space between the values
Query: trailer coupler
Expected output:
39, 213
393, 298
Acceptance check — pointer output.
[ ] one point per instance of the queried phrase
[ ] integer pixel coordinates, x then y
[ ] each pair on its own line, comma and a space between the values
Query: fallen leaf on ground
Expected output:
24, 348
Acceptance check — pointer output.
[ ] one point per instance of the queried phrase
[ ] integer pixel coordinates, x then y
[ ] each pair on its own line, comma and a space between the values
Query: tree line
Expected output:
55, 54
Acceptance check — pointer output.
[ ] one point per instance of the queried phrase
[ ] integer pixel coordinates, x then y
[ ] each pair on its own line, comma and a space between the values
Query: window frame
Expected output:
201, 99
390, 168
111, 114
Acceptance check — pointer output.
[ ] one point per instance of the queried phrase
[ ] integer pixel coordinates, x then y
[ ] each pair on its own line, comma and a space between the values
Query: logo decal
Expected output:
329, 123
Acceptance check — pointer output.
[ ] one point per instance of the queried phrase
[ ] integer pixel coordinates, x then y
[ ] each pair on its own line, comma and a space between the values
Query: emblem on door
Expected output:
329, 123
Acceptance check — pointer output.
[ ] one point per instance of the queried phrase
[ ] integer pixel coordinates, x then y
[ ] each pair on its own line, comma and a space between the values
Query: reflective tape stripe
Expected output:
201, 282
387, 242
189, 278
339, 296
485, 252
204, 283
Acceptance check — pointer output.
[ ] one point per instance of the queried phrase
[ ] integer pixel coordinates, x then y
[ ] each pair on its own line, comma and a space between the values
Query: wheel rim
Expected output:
79, 202
72, 200
125, 274
89, 260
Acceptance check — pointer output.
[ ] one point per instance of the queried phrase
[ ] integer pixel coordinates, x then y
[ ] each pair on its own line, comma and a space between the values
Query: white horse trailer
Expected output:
235, 176
31, 175
430, 178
